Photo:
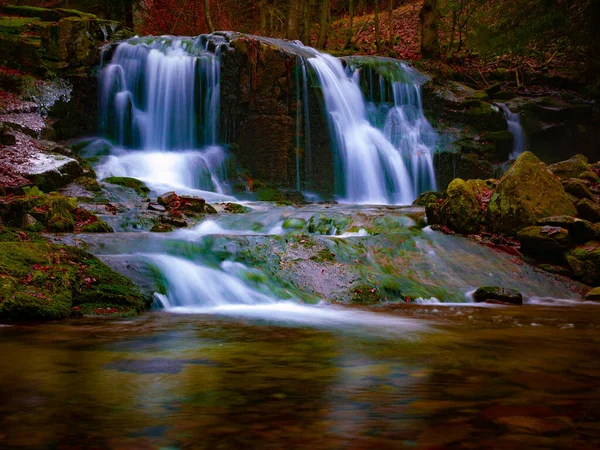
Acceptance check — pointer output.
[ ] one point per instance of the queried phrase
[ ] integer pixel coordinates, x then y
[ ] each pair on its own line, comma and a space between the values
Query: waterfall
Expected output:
516, 129
369, 169
160, 100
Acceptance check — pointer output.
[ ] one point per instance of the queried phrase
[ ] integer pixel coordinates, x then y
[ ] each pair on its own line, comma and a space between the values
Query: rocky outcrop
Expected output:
495, 294
525, 194
260, 110
55, 53
585, 262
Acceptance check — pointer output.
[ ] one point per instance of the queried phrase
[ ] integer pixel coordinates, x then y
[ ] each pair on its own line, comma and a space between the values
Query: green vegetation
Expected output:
138, 186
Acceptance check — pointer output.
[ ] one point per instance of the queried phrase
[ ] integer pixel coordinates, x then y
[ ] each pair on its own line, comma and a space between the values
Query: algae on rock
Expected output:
528, 191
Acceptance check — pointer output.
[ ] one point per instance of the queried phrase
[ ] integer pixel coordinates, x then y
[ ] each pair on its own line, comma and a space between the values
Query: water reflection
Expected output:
486, 378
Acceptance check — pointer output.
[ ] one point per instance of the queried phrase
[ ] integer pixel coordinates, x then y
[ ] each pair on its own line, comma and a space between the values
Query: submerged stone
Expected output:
525, 194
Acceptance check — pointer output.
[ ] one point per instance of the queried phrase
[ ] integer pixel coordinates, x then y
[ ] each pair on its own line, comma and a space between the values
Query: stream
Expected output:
346, 324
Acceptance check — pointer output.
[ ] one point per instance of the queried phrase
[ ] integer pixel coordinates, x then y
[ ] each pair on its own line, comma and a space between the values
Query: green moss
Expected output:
43, 281
366, 294
236, 208
89, 183
138, 186
161, 228
98, 227
269, 195
527, 192
323, 255
15, 25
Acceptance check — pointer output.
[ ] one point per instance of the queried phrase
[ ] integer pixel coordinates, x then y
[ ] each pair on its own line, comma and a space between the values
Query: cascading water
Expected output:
369, 169
160, 109
516, 129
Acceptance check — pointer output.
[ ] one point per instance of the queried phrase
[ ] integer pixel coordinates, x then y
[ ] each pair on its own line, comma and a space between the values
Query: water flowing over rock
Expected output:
164, 95
516, 129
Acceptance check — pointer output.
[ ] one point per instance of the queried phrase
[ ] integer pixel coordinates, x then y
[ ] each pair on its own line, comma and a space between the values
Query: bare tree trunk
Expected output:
323, 24
430, 45
292, 20
307, 21
391, 25
377, 39
351, 31
263, 17
207, 17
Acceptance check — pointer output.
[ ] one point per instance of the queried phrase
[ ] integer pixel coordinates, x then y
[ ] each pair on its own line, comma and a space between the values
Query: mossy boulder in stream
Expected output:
43, 281
547, 242
494, 294
526, 193
571, 168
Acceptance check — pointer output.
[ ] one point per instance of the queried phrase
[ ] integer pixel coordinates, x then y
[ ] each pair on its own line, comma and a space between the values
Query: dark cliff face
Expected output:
262, 112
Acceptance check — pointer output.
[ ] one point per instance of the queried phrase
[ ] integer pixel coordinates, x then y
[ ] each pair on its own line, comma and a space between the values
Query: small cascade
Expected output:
516, 129
395, 106
369, 169
159, 106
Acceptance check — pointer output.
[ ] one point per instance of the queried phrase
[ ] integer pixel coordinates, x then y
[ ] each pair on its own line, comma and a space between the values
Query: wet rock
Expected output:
426, 198
132, 183
209, 209
578, 188
459, 209
571, 168
526, 193
546, 242
495, 294
579, 230
593, 294
503, 144
161, 228
236, 208
156, 207
193, 204
177, 222
98, 226
294, 223
167, 198
585, 262
589, 210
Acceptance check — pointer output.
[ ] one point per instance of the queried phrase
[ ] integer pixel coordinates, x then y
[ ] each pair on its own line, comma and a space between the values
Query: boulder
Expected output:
577, 188
426, 198
593, 294
460, 210
585, 262
589, 210
571, 168
579, 230
495, 294
527, 192
545, 242
590, 176
156, 207
167, 198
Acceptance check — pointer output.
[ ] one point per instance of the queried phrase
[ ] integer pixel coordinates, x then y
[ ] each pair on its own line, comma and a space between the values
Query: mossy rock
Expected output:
580, 230
138, 186
589, 210
527, 192
236, 208
294, 223
99, 226
545, 242
427, 197
585, 262
593, 295
366, 294
44, 281
577, 188
571, 168
459, 208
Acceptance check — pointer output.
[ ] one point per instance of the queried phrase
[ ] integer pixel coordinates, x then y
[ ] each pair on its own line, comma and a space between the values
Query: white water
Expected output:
371, 169
160, 109
192, 288
516, 129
